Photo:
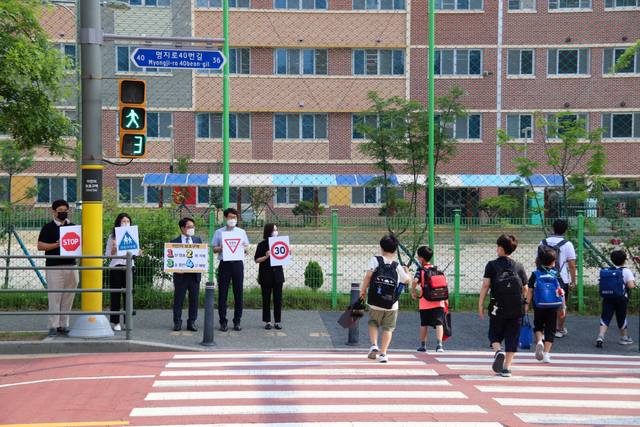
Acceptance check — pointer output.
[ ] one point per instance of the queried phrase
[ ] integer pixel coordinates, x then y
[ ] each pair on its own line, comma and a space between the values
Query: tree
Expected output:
627, 58
308, 210
499, 206
183, 163
32, 80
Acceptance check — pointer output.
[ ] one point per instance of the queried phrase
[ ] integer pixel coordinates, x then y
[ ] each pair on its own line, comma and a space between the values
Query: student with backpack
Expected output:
433, 297
547, 295
565, 266
382, 288
506, 281
615, 288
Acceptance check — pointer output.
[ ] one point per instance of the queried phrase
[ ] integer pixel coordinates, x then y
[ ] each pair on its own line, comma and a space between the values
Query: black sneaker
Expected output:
506, 372
422, 349
498, 362
52, 332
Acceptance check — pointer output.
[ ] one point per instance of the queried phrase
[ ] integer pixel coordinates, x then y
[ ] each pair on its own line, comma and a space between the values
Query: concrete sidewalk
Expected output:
316, 330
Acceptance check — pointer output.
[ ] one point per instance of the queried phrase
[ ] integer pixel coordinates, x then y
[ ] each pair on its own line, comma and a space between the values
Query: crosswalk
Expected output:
322, 389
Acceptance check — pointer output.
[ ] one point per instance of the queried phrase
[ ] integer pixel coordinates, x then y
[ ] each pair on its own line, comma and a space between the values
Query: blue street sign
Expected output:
127, 243
171, 58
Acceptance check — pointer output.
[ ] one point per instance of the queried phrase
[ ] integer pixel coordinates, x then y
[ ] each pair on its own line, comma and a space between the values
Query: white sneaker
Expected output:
626, 341
561, 332
117, 327
600, 340
546, 358
373, 352
539, 351
383, 358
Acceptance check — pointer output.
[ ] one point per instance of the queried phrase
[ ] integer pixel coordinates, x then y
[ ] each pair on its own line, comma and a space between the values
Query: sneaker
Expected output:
626, 341
506, 372
422, 349
439, 349
498, 361
561, 332
383, 358
600, 340
539, 351
373, 352
52, 332
117, 327
546, 358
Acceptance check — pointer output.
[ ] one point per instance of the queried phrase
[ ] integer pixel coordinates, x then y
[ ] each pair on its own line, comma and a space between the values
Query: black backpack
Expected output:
507, 300
434, 284
383, 287
558, 268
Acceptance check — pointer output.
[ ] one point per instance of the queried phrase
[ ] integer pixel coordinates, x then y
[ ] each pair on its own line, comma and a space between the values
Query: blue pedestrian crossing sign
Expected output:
127, 240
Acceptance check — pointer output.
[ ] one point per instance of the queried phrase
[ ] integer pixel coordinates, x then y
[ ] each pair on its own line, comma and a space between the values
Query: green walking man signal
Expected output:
133, 115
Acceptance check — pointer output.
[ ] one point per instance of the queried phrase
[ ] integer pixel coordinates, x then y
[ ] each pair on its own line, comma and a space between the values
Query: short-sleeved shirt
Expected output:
627, 276
423, 303
402, 278
50, 233
217, 237
567, 252
490, 272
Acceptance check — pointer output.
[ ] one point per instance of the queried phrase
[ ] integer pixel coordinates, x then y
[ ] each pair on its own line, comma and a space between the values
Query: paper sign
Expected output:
71, 240
186, 258
127, 240
280, 252
232, 246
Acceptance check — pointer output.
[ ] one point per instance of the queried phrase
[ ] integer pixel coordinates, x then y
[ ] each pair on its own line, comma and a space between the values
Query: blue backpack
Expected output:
611, 283
546, 293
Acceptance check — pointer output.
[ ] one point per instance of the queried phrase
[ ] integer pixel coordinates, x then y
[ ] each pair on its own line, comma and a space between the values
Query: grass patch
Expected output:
22, 336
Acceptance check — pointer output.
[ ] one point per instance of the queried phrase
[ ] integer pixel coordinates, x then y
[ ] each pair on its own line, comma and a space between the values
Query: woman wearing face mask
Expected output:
270, 278
117, 278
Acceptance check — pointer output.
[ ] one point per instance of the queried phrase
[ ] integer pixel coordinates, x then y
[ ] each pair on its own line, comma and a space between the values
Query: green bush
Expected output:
307, 210
313, 277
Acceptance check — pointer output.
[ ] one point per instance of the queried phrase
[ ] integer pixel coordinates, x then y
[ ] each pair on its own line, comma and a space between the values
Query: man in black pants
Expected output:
186, 281
230, 271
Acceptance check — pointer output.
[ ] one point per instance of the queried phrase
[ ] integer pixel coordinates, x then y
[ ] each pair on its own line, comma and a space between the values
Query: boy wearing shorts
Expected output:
431, 312
382, 317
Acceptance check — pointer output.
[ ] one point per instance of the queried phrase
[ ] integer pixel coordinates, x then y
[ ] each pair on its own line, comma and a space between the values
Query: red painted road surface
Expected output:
332, 388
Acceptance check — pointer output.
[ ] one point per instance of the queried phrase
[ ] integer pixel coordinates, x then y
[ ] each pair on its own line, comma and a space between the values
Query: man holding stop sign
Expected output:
49, 242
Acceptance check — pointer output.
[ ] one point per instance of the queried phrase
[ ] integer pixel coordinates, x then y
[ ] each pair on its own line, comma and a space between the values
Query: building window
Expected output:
72, 116
522, 5
520, 62
460, 62
379, 5
69, 50
356, 119
5, 189
621, 125
621, 3
520, 126
611, 56
294, 195
374, 62
569, 4
301, 4
50, 189
239, 63
162, 3
300, 126
131, 190
210, 126
568, 61
240, 4
158, 125
126, 65
569, 119
458, 5
372, 196
467, 127
305, 61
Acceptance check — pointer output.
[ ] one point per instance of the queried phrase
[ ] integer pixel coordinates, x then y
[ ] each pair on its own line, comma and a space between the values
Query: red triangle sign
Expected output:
232, 244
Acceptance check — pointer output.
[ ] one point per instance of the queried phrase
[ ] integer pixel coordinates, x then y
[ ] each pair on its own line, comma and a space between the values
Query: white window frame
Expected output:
521, 134
378, 195
300, 127
456, 54
245, 54
163, 131
556, 5
609, 58
555, 54
149, 3
612, 4
521, 5
369, 56
580, 116
132, 68
73, 59
454, 129
458, 5
167, 192
65, 189
232, 116
300, 53
300, 5
520, 52
213, 4
609, 117
378, 5
294, 195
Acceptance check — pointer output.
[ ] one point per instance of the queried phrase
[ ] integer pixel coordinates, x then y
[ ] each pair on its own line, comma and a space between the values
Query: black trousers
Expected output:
191, 284
545, 320
230, 272
117, 280
266, 301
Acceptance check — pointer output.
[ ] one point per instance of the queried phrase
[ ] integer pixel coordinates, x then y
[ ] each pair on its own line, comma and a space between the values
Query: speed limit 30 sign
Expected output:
280, 252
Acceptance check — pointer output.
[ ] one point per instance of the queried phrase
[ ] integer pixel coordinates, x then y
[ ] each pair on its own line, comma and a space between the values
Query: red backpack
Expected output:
434, 284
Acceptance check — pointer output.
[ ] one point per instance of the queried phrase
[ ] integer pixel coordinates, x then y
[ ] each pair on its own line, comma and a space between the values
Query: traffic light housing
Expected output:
133, 118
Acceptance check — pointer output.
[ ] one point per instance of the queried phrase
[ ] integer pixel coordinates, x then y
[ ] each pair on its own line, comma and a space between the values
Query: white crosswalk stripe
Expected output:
283, 363
304, 394
297, 372
348, 424
584, 419
303, 382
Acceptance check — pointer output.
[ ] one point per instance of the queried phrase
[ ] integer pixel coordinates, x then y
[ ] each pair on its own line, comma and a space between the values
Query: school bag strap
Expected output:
510, 267
381, 262
556, 248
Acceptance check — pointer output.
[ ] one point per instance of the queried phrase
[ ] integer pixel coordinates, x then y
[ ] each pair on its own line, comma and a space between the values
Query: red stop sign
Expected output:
70, 242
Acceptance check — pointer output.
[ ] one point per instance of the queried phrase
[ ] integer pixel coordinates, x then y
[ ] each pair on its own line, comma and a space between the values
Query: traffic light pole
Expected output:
91, 77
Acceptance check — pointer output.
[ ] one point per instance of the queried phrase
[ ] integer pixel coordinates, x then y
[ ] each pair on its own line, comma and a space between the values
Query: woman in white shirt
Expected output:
117, 278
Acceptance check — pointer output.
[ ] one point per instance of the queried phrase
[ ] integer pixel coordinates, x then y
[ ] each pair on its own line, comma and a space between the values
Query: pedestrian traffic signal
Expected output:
133, 118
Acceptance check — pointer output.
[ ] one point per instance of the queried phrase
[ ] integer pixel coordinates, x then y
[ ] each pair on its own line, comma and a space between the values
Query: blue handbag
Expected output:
526, 334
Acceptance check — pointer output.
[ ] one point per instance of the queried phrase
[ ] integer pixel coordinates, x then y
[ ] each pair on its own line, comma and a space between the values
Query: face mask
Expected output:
274, 234
232, 222
62, 215
191, 231
124, 224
